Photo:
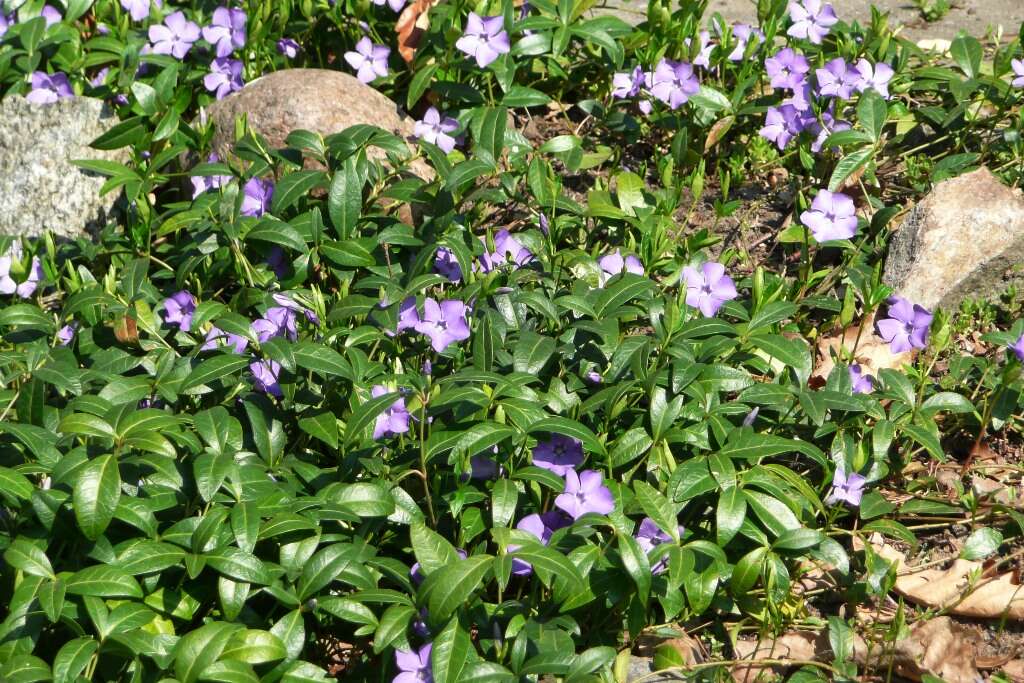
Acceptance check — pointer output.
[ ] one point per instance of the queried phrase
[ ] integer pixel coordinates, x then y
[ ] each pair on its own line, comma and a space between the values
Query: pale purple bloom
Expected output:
801, 99
427, 369
862, 383
673, 82
585, 493
822, 130
787, 69
446, 264
832, 216
594, 377
782, 124
559, 455
837, 79
266, 375
288, 47
257, 195
708, 288
100, 78
1016, 64
369, 60
751, 417
203, 183
414, 667
217, 338
645, 107
444, 323
849, 489
703, 58
47, 89
876, 77
485, 38
542, 222
541, 526
7, 21
35, 275
178, 309
7, 283
1018, 348
175, 36
628, 84
436, 129
227, 30
507, 249
811, 20
138, 9
614, 263
906, 327
66, 334
649, 536
225, 77
51, 15
279, 321
394, 420
408, 316
743, 33
395, 5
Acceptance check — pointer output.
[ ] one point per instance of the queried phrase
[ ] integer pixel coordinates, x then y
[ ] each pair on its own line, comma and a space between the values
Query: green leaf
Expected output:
72, 658
103, 582
567, 427
215, 368
947, 401
450, 653
636, 564
849, 165
981, 543
872, 112
338, 561
419, 84
656, 506
504, 498
773, 513
200, 648
367, 412
291, 630
553, 562
747, 570
365, 499
432, 550
490, 140
532, 352
345, 199
96, 494
14, 486
729, 515
322, 425
128, 132
29, 558
393, 625
630, 446
239, 565
522, 96
792, 352
967, 53
451, 586
277, 232
294, 186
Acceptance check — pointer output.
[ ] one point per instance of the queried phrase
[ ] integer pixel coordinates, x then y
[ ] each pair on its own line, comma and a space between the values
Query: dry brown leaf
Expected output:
870, 351
939, 647
795, 645
412, 23
1014, 670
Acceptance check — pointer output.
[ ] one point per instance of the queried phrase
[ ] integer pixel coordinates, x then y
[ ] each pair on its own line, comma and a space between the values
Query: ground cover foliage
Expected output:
264, 429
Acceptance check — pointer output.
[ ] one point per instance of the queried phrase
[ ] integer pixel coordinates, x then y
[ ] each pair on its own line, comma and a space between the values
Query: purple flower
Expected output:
7, 21
7, 283
369, 60
862, 383
825, 128
288, 47
707, 289
178, 309
787, 69
279, 321
849, 489
485, 38
559, 455
1018, 348
218, 338
877, 77
408, 316
1016, 64
837, 79
649, 536
483, 467
227, 31
394, 420
751, 417
265, 376
444, 322
436, 129
100, 78
414, 667
613, 264
139, 9
395, 5
277, 262
743, 33
628, 84
832, 216
673, 82
585, 493
47, 89
175, 36
225, 77
703, 58
782, 124
507, 249
541, 526
811, 20
446, 264
906, 327
35, 275
51, 15
257, 194
66, 334
203, 183
594, 377
801, 100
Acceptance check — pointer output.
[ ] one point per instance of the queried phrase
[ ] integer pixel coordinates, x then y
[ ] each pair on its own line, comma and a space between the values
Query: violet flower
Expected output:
787, 69
673, 82
906, 327
837, 79
862, 383
7, 283
178, 309
279, 321
585, 493
369, 60
1018, 70
414, 667
36, 274
482, 467
708, 288
217, 338
849, 489
876, 77
226, 31
811, 20
7, 21
288, 47
822, 130
47, 89
613, 264
628, 84
394, 420
1018, 348
395, 5
444, 323
542, 526
649, 536
559, 455
801, 99
204, 183
594, 377
257, 194
266, 376
66, 334
139, 9
832, 216
446, 264
743, 33
507, 249
277, 262
782, 124
485, 39
225, 77
436, 128
175, 36
408, 316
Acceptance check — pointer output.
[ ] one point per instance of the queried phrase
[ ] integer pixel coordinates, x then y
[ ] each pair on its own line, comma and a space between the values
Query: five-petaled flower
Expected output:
485, 38
370, 61
811, 20
266, 376
256, 196
204, 183
227, 30
225, 77
743, 33
1018, 70
559, 455
875, 77
862, 382
507, 249
838, 79
48, 88
784, 123
437, 129
175, 36
446, 264
709, 288
614, 263
906, 327
787, 69
66, 334
31, 282
849, 489
628, 84
139, 9
1018, 348
649, 536
395, 418
443, 322
217, 338
832, 216
288, 47
542, 526
584, 493
673, 82
278, 321
414, 667
178, 309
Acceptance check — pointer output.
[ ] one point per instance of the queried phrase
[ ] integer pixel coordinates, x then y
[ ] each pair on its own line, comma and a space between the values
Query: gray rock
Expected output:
641, 671
964, 240
318, 100
40, 189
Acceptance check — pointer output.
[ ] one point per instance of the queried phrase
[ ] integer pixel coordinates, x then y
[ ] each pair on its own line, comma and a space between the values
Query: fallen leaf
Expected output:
1014, 670
412, 23
870, 351
938, 647
796, 645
